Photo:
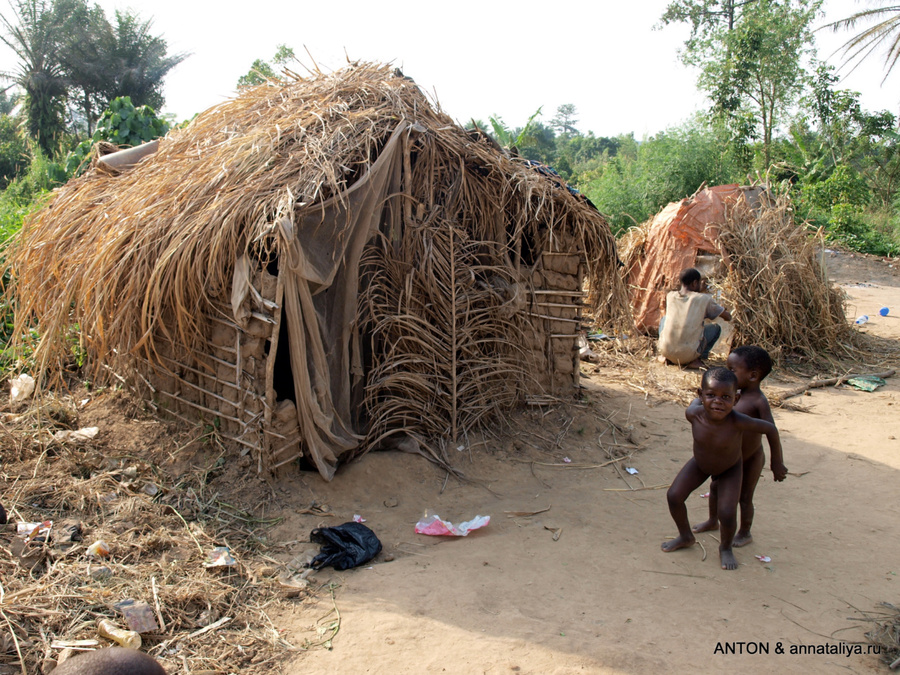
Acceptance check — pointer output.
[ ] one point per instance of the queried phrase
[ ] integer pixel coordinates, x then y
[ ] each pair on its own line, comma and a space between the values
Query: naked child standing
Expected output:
717, 431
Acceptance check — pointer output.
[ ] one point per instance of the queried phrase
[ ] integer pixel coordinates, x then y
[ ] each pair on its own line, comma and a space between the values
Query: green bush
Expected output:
839, 204
122, 124
14, 152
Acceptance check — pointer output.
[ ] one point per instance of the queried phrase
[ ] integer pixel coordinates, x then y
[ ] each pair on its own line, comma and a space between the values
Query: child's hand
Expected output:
780, 471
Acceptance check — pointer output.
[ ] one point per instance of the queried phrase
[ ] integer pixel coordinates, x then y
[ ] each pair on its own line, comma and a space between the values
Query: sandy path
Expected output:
604, 598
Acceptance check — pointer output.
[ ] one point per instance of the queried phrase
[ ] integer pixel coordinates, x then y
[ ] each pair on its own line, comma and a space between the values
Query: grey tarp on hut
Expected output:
320, 303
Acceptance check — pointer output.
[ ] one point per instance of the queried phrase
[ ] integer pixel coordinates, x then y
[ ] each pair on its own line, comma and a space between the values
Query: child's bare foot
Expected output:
729, 562
677, 543
706, 525
742, 539
696, 364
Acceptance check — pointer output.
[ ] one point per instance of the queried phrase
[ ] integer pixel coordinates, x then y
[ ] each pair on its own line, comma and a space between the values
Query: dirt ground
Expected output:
582, 585
603, 597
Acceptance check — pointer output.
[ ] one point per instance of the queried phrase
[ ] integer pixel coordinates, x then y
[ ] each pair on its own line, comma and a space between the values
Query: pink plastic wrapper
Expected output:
433, 525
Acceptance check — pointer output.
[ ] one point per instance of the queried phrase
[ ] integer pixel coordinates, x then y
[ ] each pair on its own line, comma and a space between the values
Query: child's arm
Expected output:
760, 426
776, 458
691, 411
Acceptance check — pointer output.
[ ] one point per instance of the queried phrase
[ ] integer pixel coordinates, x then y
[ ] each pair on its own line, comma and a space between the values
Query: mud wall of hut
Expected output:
230, 386
555, 304
237, 384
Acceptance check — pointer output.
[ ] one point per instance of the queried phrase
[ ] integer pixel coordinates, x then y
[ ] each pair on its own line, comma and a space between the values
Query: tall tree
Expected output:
68, 50
751, 57
105, 61
141, 61
35, 32
565, 119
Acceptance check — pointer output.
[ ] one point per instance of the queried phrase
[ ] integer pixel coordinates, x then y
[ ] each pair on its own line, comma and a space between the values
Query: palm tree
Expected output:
105, 61
141, 61
886, 32
35, 38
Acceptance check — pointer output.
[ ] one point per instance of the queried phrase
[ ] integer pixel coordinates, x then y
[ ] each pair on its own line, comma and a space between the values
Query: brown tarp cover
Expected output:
674, 238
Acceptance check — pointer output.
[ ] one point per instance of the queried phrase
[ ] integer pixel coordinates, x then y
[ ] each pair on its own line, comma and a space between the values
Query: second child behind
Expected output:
750, 365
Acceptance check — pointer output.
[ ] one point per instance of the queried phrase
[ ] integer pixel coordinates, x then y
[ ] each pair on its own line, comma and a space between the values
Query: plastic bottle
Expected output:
884, 311
863, 319
126, 638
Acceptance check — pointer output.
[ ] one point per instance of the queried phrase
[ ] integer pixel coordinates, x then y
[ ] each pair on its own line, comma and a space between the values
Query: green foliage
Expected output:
27, 192
844, 187
884, 32
122, 124
24, 195
69, 54
539, 144
565, 119
617, 191
509, 138
35, 33
838, 204
8, 102
261, 70
643, 177
106, 60
750, 56
14, 152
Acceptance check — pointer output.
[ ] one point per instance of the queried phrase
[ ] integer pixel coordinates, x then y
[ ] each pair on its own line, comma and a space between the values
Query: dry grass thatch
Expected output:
777, 284
139, 260
884, 632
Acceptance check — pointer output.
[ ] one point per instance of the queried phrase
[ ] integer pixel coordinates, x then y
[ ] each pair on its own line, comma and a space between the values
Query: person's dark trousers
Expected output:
711, 333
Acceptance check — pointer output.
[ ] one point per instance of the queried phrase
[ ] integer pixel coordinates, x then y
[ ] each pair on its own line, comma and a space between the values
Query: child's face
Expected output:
743, 374
718, 398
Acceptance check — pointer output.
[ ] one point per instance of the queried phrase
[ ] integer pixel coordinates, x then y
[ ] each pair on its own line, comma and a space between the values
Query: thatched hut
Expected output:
683, 234
763, 264
318, 265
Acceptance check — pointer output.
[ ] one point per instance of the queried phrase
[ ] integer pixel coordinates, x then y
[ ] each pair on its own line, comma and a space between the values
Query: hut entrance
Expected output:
282, 380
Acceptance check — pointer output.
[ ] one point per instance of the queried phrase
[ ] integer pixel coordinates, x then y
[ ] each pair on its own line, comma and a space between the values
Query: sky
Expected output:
476, 59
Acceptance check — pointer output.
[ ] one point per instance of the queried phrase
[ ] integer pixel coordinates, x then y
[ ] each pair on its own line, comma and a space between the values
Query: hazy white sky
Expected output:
483, 58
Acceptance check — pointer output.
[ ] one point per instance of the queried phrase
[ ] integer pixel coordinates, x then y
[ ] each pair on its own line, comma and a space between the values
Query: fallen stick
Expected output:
646, 487
677, 574
815, 384
525, 514
212, 626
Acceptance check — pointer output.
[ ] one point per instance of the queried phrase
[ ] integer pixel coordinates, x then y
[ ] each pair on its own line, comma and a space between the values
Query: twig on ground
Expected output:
815, 384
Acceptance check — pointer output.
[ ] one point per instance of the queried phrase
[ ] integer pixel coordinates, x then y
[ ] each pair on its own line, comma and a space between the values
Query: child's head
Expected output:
111, 661
689, 277
750, 364
718, 392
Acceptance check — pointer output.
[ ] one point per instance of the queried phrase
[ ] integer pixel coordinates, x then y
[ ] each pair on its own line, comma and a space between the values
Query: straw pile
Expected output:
143, 261
160, 532
777, 284
631, 247
885, 632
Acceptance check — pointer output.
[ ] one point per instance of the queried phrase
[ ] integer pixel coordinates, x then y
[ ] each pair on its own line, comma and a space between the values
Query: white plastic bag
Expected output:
22, 388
